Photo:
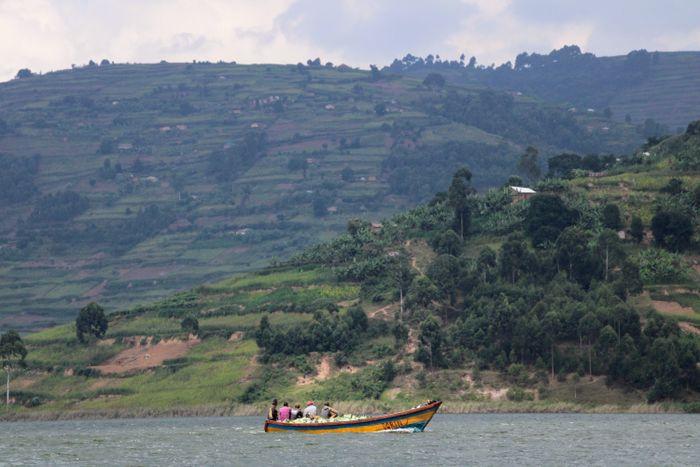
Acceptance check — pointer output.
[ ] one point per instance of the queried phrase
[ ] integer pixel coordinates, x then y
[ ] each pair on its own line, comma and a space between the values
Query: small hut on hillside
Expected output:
521, 193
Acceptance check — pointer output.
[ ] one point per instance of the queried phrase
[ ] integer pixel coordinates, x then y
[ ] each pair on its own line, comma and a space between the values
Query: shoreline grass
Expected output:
356, 407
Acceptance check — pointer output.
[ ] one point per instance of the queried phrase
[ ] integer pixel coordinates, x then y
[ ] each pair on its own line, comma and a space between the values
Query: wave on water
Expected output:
401, 430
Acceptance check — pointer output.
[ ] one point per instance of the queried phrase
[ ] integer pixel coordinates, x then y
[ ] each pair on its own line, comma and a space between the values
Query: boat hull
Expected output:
409, 420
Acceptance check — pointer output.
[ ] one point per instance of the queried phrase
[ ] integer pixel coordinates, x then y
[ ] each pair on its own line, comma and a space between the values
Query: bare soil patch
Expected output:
236, 336
689, 328
386, 312
143, 356
672, 308
23, 382
324, 370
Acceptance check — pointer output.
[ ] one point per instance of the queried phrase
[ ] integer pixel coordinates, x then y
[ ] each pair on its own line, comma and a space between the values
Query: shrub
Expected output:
660, 266
517, 394
190, 324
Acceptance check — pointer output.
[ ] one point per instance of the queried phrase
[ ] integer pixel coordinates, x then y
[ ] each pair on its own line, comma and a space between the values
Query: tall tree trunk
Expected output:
552, 353
590, 363
607, 259
400, 303
7, 387
461, 225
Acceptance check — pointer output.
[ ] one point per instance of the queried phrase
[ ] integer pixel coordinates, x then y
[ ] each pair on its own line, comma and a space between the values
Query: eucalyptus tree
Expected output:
12, 355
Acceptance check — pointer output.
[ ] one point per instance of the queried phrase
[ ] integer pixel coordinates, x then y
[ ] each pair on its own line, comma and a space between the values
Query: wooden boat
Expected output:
415, 419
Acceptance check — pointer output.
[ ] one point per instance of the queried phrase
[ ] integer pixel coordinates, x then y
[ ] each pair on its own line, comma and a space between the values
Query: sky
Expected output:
46, 35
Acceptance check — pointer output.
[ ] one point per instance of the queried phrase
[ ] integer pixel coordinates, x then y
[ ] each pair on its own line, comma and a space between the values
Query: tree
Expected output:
106, 146
610, 250
588, 327
431, 340
547, 216
190, 324
447, 242
264, 334
664, 369
696, 193
563, 165
402, 275
459, 190
12, 355
320, 205
358, 319
673, 187
552, 326
298, 163
357, 226
444, 272
347, 174
528, 165
605, 346
380, 109
576, 379
637, 229
611, 217
422, 292
672, 229
574, 256
630, 282
24, 73
374, 73
91, 321
434, 80
400, 332
513, 259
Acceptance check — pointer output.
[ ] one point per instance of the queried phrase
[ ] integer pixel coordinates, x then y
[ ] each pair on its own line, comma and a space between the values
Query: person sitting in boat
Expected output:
296, 412
272, 411
310, 410
328, 412
285, 413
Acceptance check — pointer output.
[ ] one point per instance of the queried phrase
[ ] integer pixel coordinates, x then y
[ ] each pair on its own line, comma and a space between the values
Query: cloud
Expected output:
370, 31
46, 35
496, 34
616, 26
32, 32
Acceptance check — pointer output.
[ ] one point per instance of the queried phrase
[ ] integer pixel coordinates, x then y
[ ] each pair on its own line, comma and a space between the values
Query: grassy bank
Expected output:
370, 407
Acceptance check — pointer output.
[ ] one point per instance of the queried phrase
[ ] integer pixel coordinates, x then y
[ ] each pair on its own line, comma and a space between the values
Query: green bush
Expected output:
517, 394
657, 266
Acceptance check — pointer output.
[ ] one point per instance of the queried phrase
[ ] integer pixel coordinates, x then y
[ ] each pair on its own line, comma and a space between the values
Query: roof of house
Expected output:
522, 190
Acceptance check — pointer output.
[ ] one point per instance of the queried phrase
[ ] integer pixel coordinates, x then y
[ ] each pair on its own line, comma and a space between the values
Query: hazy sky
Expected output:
47, 35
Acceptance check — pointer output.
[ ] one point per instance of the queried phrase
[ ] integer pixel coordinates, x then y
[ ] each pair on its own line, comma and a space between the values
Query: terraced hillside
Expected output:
382, 317
642, 85
126, 183
666, 178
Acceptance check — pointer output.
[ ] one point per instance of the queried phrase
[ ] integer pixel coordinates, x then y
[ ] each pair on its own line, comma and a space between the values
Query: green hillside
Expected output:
641, 85
127, 183
540, 306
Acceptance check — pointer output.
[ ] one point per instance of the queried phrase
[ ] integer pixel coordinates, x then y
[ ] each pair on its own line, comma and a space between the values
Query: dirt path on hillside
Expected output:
385, 313
412, 342
143, 356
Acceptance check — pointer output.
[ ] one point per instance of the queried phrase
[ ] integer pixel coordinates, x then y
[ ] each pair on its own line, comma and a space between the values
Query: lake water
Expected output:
488, 439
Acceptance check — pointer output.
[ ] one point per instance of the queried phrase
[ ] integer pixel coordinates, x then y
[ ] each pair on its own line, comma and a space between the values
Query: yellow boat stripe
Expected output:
379, 426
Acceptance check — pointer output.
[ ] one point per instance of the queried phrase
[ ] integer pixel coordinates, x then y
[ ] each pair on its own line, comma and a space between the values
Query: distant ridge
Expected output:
663, 86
